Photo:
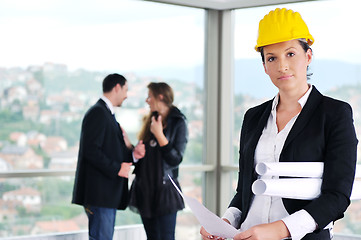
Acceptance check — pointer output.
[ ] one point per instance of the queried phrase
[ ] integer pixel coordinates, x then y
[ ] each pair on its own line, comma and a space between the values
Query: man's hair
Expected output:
112, 80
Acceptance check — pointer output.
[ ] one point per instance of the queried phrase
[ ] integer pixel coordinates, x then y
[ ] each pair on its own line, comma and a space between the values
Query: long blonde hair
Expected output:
156, 88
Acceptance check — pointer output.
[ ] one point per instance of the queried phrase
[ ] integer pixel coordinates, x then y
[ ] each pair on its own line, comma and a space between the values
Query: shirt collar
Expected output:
108, 104
302, 101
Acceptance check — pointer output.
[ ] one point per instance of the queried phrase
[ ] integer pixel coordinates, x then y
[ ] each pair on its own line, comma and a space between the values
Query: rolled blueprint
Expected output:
295, 169
296, 188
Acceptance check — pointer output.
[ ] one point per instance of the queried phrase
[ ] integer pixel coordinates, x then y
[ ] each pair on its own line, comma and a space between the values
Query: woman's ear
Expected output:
265, 69
309, 56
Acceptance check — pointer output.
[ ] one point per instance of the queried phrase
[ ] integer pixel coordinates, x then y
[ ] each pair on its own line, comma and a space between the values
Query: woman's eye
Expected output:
270, 59
291, 54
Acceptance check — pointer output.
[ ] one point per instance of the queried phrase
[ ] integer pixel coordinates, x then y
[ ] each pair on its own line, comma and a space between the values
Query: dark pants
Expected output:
101, 222
160, 228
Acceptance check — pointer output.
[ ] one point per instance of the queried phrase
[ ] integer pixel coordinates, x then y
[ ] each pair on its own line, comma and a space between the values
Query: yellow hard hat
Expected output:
282, 25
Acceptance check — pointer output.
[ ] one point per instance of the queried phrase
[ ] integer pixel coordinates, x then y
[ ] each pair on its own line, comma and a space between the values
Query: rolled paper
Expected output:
290, 169
295, 169
296, 188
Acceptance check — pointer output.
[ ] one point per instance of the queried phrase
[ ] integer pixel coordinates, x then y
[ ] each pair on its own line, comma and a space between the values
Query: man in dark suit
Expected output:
105, 157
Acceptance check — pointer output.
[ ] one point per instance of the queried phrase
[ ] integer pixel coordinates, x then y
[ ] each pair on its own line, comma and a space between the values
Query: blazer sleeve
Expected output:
237, 199
94, 136
339, 166
173, 152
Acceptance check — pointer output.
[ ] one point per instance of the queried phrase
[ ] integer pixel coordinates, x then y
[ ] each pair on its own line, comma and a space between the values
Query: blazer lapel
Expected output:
117, 127
260, 126
112, 119
306, 113
254, 136
251, 141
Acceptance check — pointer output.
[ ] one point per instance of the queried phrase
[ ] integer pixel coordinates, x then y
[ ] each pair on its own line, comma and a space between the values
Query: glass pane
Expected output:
187, 225
67, 49
33, 205
336, 66
41, 205
55, 55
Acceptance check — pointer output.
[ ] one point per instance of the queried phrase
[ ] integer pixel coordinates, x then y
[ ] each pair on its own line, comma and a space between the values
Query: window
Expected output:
55, 55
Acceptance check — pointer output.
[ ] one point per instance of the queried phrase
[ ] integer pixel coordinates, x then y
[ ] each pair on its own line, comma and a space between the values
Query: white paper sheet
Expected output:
295, 169
296, 188
211, 222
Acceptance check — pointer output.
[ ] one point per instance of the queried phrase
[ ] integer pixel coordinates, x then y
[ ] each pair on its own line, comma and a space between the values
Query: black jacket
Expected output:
101, 152
323, 132
177, 134
152, 194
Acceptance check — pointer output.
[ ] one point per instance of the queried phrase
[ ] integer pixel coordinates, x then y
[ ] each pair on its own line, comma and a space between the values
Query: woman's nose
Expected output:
283, 65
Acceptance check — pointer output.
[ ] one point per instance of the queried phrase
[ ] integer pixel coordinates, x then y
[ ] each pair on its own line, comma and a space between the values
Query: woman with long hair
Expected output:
165, 135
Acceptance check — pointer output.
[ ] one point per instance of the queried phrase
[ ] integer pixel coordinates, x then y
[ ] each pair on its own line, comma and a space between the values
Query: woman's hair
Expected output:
157, 89
161, 88
303, 44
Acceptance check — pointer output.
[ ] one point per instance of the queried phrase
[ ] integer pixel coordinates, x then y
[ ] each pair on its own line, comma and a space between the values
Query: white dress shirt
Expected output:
266, 209
108, 104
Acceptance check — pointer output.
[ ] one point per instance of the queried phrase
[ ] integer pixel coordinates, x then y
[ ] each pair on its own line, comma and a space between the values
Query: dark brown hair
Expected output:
112, 80
157, 89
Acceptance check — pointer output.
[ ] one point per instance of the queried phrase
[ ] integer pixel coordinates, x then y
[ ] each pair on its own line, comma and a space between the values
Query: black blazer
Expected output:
101, 152
323, 132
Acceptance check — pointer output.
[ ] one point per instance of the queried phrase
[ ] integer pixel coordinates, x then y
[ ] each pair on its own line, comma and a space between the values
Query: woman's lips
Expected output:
285, 77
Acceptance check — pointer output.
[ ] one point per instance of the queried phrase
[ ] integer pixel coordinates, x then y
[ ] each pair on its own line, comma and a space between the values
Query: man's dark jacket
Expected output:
323, 132
101, 152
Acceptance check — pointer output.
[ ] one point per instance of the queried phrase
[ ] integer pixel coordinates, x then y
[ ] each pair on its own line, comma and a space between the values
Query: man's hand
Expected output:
126, 139
124, 170
139, 150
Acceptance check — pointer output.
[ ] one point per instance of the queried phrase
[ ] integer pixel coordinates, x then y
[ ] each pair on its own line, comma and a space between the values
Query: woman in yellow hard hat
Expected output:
298, 125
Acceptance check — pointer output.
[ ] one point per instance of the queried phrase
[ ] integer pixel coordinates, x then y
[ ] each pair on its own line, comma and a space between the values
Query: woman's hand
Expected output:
156, 127
269, 231
206, 236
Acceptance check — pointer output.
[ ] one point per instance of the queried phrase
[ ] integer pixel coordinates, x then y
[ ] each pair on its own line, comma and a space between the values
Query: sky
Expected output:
135, 34
99, 35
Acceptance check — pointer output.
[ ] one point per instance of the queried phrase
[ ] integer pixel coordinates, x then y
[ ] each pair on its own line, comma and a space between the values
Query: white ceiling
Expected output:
227, 4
